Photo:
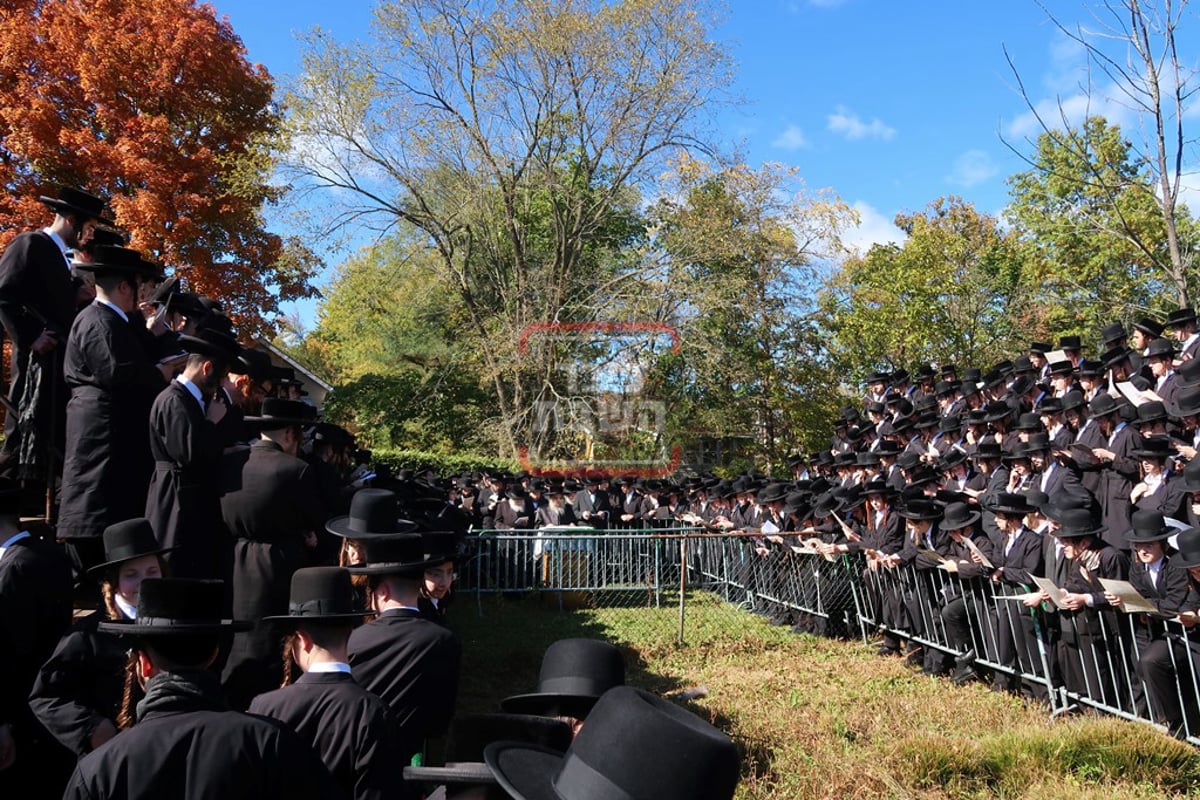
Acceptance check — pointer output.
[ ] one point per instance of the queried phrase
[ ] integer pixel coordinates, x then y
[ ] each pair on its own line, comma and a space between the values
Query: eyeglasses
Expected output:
441, 574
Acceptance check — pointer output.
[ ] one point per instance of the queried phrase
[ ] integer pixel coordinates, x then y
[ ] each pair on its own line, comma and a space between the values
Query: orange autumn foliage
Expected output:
154, 104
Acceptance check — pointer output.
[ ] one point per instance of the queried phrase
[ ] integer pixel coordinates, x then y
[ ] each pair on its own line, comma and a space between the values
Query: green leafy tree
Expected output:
1089, 214
950, 294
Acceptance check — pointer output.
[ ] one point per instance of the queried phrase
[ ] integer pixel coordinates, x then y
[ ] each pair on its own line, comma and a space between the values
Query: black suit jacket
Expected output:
347, 726
113, 383
412, 665
35, 611
183, 504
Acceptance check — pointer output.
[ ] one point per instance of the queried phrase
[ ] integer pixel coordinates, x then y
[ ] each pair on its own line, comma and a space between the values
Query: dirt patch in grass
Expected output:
815, 718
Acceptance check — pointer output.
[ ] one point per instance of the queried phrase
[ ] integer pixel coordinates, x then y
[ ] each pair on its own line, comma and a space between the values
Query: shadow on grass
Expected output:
504, 639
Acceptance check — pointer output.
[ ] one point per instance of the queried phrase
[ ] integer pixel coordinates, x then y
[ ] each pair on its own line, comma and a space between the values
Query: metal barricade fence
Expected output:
1104, 659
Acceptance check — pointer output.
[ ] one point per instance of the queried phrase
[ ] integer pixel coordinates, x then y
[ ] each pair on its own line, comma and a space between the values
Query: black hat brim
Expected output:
459, 772
296, 621
397, 568
1160, 536
1064, 534
340, 526
539, 703
132, 628
267, 423
971, 519
525, 771
101, 567
198, 346
61, 205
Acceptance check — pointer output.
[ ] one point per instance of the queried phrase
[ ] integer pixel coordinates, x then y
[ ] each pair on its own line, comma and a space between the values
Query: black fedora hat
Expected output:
958, 516
177, 607
1149, 327
1188, 373
879, 486
1076, 523
1148, 526
398, 554
440, 546
1188, 544
373, 513
1191, 476
574, 674
921, 509
70, 200
634, 745
1072, 400
1089, 368
773, 493
127, 540
278, 413
1029, 421
1069, 342
997, 410
1160, 348
1114, 332
1102, 405
254, 363
1157, 447
1151, 411
1011, 503
1041, 348
1114, 356
322, 595
1180, 317
988, 449
110, 259
212, 342
1062, 368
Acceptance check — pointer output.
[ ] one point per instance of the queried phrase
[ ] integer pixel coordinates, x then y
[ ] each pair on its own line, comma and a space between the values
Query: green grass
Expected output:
823, 719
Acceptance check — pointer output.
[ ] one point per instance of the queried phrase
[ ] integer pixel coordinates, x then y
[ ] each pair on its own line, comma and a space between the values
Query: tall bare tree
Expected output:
514, 138
1131, 45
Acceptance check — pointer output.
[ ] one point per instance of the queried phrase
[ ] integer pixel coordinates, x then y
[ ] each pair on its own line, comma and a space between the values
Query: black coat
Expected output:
1023, 560
34, 275
347, 726
412, 665
596, 507
269, 502
187, 746
35, 611
1116, 483
80, 686
183, 504
113, 383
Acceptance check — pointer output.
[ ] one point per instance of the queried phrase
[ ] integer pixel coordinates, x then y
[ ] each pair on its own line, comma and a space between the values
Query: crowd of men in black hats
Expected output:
225, 540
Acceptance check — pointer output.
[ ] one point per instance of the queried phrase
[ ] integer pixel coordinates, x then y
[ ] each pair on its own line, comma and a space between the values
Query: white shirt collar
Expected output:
193, 390
329, 666
16, 537
58, 240
120, 313
128, 610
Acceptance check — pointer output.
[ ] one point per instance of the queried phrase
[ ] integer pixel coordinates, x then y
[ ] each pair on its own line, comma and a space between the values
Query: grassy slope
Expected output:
824, 719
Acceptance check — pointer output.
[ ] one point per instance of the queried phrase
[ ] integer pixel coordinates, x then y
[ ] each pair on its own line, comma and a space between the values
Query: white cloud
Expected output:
849, 124
972, 167
792, 138
1074, 109
873, 228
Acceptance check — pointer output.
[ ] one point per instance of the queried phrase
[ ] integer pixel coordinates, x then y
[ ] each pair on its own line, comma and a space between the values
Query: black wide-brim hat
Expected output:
635, 745
573, 676
373, 513
399, 554
1188, 544
113, 259
320, 595
76, 201
177, 607
278, 413
212, 343
127, 540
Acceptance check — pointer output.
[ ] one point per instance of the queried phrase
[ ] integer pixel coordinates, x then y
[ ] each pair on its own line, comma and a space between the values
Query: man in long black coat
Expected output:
113, 381
1121, 469
35, 611
185, 743
349, 728
410, 662
183, 503
271, 508
37, 304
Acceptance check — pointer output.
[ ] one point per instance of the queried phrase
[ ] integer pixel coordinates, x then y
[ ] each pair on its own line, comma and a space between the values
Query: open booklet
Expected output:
1132, 601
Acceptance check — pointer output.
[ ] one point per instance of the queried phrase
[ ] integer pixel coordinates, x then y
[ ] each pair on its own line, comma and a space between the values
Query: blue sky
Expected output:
890, 104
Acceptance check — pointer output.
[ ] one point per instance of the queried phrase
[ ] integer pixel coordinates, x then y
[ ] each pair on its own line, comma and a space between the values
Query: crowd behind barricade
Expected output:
268, 614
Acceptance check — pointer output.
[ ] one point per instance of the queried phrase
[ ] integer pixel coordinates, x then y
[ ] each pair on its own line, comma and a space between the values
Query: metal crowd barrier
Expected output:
1123, 664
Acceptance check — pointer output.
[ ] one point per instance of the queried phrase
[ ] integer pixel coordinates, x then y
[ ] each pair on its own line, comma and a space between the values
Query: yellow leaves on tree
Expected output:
153, 103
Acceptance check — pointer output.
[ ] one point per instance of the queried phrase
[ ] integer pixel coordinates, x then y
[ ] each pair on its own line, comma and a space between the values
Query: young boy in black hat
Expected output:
349, 728
410, 662
185, 744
